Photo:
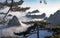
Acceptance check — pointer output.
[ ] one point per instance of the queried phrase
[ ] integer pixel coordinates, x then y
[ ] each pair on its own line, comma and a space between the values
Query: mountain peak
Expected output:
55, 18
14, 22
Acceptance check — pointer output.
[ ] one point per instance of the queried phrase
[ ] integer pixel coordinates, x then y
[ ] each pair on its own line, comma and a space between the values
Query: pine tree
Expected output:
13, 4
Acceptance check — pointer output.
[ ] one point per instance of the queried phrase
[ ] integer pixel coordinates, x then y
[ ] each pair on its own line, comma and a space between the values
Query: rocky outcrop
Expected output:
9, 15
14, 22
54, 19
2, 13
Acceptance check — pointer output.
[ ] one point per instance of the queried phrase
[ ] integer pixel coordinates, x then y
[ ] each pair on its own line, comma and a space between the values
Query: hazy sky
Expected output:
50, 8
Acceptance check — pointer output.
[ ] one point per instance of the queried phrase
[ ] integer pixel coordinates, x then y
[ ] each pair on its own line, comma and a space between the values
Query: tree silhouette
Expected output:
36, 24
14, 4
33, 29
56, 32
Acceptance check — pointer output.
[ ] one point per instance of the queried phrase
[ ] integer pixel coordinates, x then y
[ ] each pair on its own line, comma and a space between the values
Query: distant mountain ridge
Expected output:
55, 18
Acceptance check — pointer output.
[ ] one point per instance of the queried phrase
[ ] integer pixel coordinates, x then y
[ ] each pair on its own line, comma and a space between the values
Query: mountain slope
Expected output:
54, 18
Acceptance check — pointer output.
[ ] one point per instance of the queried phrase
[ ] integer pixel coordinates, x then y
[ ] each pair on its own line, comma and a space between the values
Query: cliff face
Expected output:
55, 18
14, 22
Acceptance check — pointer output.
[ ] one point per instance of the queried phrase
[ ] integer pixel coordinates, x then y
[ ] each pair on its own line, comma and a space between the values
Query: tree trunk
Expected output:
11, 4
6, 2
37, 32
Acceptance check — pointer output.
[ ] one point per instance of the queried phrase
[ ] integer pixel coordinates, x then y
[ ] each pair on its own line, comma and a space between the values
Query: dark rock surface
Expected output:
9, 15
2, 13
14, 22
54, 18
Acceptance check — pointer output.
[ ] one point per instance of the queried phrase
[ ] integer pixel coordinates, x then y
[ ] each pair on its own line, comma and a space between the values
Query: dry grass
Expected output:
3, 22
